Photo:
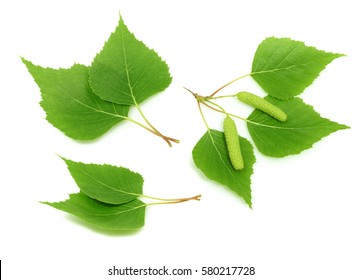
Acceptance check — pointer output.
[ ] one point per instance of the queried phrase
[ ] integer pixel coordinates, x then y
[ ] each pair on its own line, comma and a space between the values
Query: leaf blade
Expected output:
211, 156
106, 183
70, 104
303, 128
127, 216
285, 67
126, 71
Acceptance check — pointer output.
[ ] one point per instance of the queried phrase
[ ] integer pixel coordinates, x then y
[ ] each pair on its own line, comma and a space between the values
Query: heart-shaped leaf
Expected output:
106, 183
127, 216
302, 129
126, 71
70, 104
284, 67
211, 156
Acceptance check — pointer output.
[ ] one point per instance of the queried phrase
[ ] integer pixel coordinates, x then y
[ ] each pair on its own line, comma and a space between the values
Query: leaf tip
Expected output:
340, 55
27, 63
248, 202
343, 126
46, 203
63, 158
120, 15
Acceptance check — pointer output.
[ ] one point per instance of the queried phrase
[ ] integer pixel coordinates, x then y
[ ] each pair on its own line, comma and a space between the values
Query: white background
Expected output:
306, 221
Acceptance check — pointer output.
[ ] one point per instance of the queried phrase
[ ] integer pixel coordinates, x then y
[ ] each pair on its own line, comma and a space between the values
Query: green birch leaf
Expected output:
70, 104
127, 216
126, 71
303, 128
284, 67
211, 156
106, 183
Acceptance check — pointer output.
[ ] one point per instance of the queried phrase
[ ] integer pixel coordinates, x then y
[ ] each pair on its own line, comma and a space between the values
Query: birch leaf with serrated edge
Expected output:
70, 104
211, 156
127, 216
284, 67
106, 183
126, 71
303, 128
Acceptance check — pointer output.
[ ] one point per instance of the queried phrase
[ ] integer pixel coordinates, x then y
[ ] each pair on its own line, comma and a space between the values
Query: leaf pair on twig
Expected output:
86, 101
109, 197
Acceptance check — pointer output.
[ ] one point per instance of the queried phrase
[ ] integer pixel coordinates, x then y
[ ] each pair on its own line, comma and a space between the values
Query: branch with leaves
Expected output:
85, 102
109, 197
281, 124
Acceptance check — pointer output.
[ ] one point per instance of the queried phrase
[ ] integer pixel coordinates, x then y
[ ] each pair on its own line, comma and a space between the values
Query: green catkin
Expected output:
233, 143
262, 105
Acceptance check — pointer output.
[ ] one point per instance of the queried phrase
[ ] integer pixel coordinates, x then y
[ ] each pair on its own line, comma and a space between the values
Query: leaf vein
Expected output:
87, 106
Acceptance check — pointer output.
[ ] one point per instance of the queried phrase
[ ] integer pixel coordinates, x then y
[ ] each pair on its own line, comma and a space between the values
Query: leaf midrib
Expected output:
288, 128
220, 156
106, 185
121, 212
126, 68
132, 94
287, 68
